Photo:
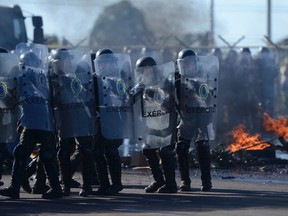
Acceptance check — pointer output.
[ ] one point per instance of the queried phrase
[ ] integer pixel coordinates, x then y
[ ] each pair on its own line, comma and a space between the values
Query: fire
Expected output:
278, 126
242, 140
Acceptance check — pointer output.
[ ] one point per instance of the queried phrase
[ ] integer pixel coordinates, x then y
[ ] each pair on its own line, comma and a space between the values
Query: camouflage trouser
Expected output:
28, 140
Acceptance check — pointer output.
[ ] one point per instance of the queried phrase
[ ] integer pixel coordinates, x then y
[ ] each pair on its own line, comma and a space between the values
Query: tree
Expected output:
120, 25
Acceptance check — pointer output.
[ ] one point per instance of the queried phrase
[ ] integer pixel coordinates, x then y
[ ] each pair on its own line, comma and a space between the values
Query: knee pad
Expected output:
167, 151
20, 151
182, 147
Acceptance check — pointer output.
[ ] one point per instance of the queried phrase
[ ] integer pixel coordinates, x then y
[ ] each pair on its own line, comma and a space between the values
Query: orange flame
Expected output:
278, 126
242, 140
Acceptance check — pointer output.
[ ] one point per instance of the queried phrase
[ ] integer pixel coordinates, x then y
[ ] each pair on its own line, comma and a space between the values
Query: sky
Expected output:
74, 19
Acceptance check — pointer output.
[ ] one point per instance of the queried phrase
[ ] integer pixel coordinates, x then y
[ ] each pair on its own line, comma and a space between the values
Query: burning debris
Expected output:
279, 127
243, 140
247, 149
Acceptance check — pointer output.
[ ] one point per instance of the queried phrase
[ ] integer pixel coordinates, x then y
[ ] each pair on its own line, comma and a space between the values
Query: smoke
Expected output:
71, 20
175, 18
74, 19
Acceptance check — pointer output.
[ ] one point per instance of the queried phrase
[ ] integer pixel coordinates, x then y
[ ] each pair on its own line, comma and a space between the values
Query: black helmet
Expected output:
60, 54
103, 51
246, 50
264, 50
3, 50
145, 62
29, 59
186, 52
217, 52
101, 55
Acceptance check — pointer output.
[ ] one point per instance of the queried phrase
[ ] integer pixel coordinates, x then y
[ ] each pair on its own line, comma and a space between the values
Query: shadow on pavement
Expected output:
132, 200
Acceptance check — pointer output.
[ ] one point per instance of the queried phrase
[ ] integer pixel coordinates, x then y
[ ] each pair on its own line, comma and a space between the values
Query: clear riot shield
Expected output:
154, 106
114, 79
34, 89
73, 93
198, 95
9, 110
266, 79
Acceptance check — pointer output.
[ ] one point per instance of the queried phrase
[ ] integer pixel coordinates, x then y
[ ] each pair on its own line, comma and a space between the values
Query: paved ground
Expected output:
231, 195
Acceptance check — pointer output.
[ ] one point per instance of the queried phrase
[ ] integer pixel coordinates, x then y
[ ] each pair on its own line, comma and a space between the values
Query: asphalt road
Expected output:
230, 195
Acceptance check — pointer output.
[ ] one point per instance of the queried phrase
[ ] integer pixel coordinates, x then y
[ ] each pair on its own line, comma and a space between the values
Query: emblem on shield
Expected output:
121, 87
41, 79
158, 97
204, 90
76, 86
3, 90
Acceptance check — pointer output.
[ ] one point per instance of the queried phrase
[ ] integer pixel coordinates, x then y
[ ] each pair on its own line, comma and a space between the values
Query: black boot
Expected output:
102, 172
40, 189
182, 150
18, 171
153, 161
203, 151
168, 163
65, 169
10, 192
26, 185
31, 168
87, 165
40, 186
52, 171
114, 164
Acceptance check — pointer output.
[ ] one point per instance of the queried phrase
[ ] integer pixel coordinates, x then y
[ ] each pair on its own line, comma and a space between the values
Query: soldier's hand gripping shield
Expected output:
9, 109
34, 88
73, 92
154, 105
114, 77
198, 95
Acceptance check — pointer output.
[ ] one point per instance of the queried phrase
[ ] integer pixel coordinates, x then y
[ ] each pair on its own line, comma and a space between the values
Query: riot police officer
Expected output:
193, 118
72, 85
106, 150
8, 115
36, 120
266, 79
156, 92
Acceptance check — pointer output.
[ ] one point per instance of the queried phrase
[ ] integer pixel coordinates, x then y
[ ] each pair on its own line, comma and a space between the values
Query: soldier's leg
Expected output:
40, 186
85, 147
182, 150
101, 165
1, 162
75, 162
203, 151
153, 161
114, 164
4, 155
65, 148
30, 170
167, 156
21, 152
48, 156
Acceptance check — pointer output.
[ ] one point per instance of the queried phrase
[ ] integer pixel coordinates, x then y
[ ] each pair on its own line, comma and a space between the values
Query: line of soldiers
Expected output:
249, 85
70, 99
